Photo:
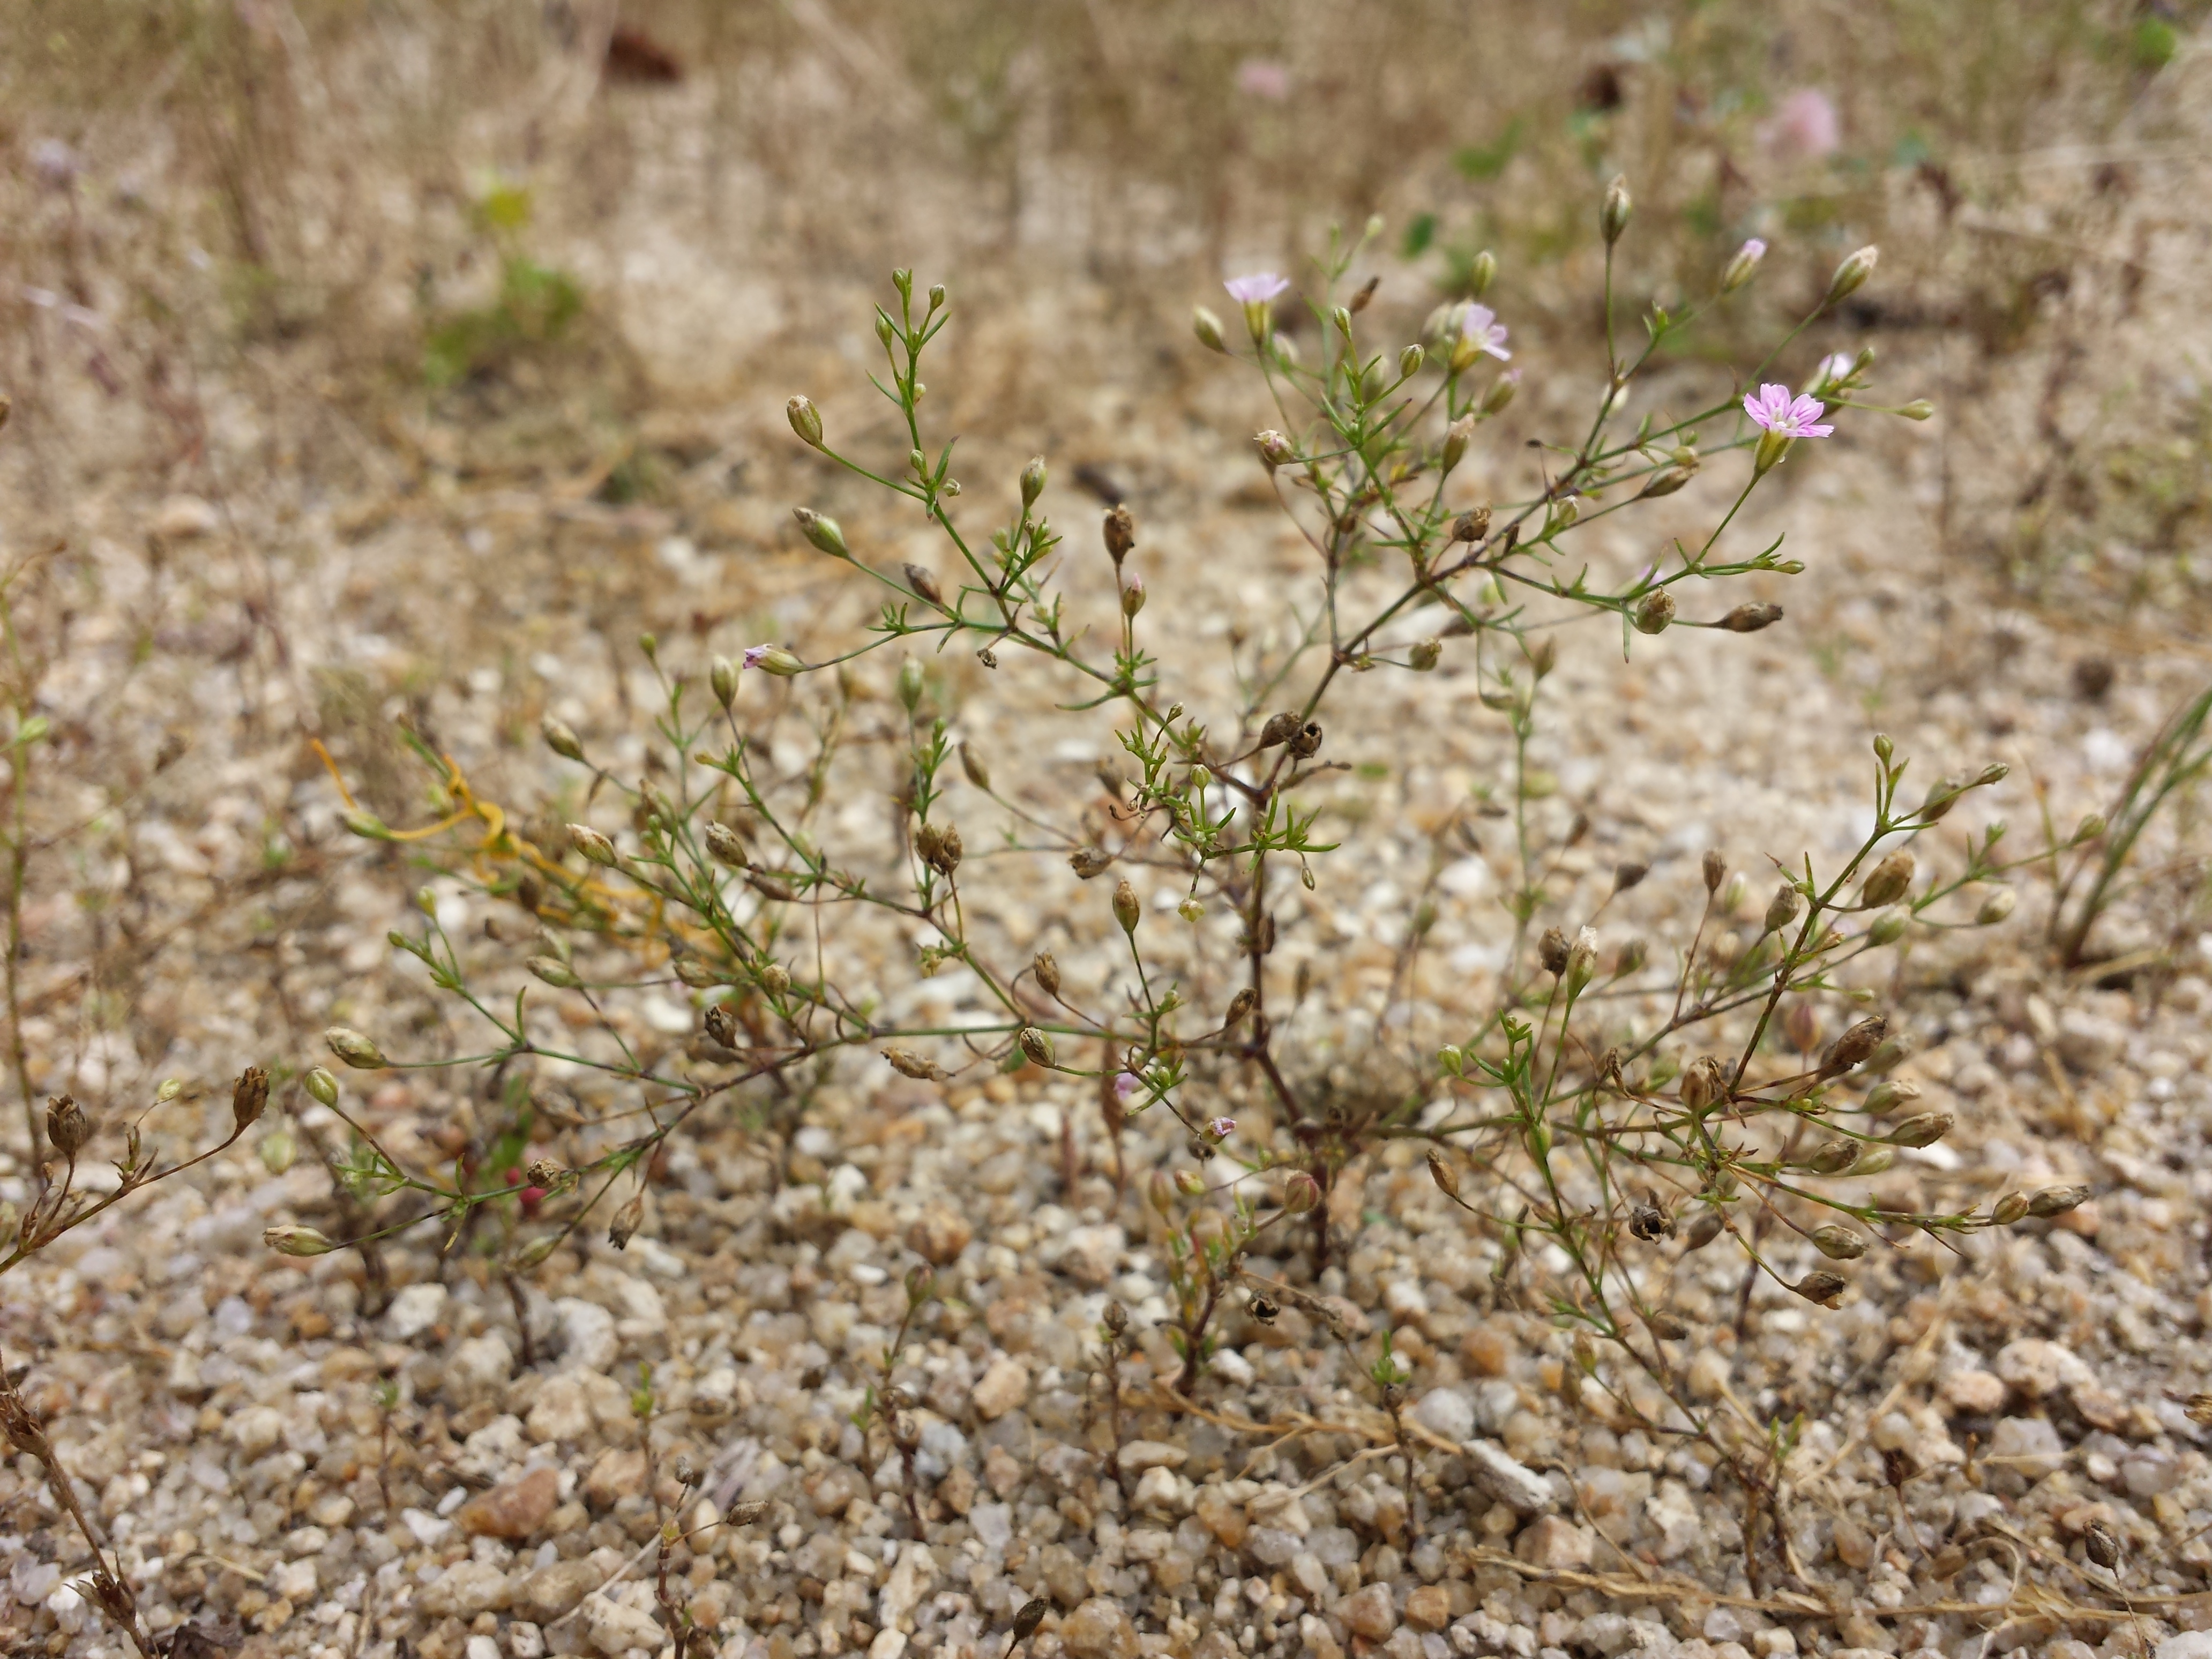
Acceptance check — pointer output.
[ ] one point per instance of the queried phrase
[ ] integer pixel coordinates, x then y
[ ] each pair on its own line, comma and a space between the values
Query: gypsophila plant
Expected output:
1608, 1112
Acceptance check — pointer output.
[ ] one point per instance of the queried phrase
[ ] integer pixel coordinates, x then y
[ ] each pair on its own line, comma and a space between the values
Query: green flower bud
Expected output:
560, 739
1613, 216
1918, 410
1037, 1046
1481, 272
722, 678
805, 421
1126, 907
1424, 656
321, 1086
554, 972
1655, 611
821, 531
353, 1048
1409, 362
1996, 907
1207, 327
297, 1241
1922, 1129
1033, 480
1888, 927
909, 686
593, 845
1850, 276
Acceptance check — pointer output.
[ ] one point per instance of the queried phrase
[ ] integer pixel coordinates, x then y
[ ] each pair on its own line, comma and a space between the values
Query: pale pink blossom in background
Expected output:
1772, 408
1263, 77
1256, 289
753, 655
1833, 370
1804, 124
1479, 327
1221, 1128
1126, 1087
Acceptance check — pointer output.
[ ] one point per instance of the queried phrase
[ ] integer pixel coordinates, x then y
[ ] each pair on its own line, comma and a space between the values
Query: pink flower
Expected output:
1263, 77
1479, 327
1754, 247
1126, 1087
1804, 124
1773, 409
1256, 289
753, 655
1220, 1129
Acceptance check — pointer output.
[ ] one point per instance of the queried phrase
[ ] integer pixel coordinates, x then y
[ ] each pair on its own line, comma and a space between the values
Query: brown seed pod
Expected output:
67, 1125
1648, 1222
1668, 1326
249, 1097
1305, 742
1046, 971
1716, 869
1824, 1288
1551, 951
1888, 881
721, 1025
626, 1222
925, 585
1239, 1006
2057, 1201
1120, 533
1442, 1174
2101, 1544
1750, 618
1702, 1082
1854, 1046
1279, 728
1704, 1227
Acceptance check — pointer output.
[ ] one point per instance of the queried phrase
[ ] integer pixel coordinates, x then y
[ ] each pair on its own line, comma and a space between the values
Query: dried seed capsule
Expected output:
1655, 612
774, 978
1031, 1615
721, 1025
1551, 951
1121, 532
1648, 1222
2102, 1546
1704, 1227
723, 844
68, 1126
1471, 526
1305, 742
1626, 876
1838, 1244
1800, 1023
1854, 1045
1089, 861
1824, 1288
907, 1063
249, 1097
1943, 795
554, 972
941, 847
351, 1046
1424, 656
1996, 907
1702, 1082
2057, 1201
805, 420
1716, 869
1239, 1006
2012, 1207
1750, 618
1300, 1193
1670, 1328
1922, 1129
560, 739
297, 1241
1037, 1046
1279, 728
1782, 909
592, 844
925, 585
1046, 971
1441, 1173
1830, 1157
1456, 439
1127, 910
625, 1224
1666, 481
1263, 1307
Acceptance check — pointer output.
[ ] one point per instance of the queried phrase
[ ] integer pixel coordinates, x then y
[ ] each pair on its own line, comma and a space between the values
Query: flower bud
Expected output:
1891, 1093
1160, 1192
1126, 907
722, 678
1275, 449
1702, 1082
1424, 656
1666, 482
249, 1097
1715, 868
1850, 276
1046, 971
1702, 1228
1731, 898
1300, 1193
1922, 1129
1133, 595
1824, 1288
554, 972
823, 532
1208, 326
2091, 827
1190, 1184
2057, 1201
1037, 1046
1739, 267
723, 845
1581, 960
353, 1048
1782, 909
592, 844
321, 1086
1409, 362
1996, 907
1838, 1244
1613, 217
1874, 1160
1033, 481
1888, 881
1342, 318
1655, 611
1918, 410
1501, 392
1481, 272
2008, 1209
560, 739
805, 421
909, 685
774, 978
67, 1125
297, 1241
1854, 1045
1888, 927
1455, 441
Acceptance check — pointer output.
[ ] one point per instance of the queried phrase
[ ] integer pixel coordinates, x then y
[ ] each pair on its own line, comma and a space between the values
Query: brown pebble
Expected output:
514, 1509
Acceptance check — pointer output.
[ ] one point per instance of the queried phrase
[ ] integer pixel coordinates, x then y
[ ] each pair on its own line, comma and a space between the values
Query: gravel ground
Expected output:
339, 1457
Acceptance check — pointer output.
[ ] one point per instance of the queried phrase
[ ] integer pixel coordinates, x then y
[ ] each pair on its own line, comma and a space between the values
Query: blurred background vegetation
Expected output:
366, 244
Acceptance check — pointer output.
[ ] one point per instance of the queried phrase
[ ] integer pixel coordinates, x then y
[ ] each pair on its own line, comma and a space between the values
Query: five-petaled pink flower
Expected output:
1256, 290
1479, 327
753, 655
1774, 410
